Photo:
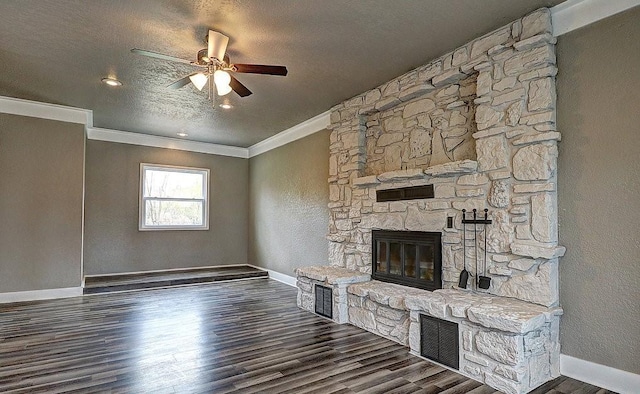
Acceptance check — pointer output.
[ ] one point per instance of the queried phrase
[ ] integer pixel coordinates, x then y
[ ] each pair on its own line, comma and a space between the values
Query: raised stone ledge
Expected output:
540, 137
453, 168
391, 176
332, 275
383, 293
537, 251
365, 181
446, 169
500, 313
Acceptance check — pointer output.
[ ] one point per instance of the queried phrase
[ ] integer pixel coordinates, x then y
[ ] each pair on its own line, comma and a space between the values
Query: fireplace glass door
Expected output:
408, 258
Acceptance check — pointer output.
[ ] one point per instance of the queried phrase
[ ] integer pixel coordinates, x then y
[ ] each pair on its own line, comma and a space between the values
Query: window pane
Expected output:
426, 262
395, 262
161, 183
173, 213
381, 262
410, 260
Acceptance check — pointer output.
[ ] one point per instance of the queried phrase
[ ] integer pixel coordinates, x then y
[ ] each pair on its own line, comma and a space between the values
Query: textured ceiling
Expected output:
57, 51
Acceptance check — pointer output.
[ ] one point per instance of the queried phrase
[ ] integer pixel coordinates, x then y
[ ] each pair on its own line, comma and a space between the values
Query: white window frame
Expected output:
142, 199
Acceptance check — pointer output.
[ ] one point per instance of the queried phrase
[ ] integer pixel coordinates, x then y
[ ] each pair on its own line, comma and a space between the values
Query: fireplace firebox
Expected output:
409, 258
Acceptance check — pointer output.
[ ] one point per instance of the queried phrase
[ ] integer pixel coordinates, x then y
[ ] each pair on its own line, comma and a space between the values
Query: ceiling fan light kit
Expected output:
216, 66
199, 80
223, 89
222, 79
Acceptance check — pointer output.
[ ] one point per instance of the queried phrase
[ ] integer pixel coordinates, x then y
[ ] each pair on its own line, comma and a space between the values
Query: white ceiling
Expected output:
56, 51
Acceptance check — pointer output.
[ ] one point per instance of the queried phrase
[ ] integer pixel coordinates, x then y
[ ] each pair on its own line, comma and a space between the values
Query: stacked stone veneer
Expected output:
479, 124
435, 128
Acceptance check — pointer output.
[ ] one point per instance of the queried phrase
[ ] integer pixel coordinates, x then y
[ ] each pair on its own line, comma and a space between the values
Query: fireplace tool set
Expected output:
482, 281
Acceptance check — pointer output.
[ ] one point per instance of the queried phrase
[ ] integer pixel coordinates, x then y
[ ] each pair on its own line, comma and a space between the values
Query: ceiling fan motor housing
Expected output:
217, 45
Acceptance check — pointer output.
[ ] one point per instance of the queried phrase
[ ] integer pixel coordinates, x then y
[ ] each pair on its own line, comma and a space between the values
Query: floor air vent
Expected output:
324, 297
439, 341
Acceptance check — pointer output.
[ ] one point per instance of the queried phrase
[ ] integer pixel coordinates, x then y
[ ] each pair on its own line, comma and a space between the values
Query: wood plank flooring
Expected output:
225, 337
146, 280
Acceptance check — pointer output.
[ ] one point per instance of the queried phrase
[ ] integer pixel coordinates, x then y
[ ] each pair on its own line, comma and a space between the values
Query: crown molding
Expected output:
34, 109
125, 137
301, 130
599, 375
574, 14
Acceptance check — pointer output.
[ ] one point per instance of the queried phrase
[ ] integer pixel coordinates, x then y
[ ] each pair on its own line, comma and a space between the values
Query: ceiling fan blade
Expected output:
217, 45
160, 56
181, 82
260, 69
239, 87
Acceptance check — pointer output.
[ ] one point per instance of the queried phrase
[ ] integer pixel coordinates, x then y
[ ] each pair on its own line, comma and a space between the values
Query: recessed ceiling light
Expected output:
182, 134
111, 82
226, 106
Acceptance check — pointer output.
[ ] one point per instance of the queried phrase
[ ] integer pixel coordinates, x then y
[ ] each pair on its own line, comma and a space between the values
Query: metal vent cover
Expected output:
324, 301
405, 193
439, 341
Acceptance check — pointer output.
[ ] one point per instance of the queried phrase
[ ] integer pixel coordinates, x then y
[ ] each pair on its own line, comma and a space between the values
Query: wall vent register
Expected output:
439, 341
405, 193
324, 298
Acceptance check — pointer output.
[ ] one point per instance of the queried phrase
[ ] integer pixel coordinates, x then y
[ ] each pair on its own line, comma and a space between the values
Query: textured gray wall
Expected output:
41, 164
112, 241
599, 191
288, 209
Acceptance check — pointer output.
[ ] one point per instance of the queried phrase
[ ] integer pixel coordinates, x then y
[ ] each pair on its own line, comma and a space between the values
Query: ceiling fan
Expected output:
215, 66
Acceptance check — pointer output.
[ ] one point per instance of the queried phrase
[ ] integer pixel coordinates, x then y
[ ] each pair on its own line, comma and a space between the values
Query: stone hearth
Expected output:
509, 344
479, 125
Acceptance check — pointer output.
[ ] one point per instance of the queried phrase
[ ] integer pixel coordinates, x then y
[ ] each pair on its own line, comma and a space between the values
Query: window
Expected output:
173, 198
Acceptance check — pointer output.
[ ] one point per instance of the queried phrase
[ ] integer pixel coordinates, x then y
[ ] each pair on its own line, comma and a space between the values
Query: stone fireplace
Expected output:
478, 127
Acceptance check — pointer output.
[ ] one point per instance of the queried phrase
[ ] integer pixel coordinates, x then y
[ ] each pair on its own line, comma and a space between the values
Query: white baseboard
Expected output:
35, 295
275, 275
622, 382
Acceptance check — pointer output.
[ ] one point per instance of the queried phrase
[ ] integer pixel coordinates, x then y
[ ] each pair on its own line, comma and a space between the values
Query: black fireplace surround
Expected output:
409, 258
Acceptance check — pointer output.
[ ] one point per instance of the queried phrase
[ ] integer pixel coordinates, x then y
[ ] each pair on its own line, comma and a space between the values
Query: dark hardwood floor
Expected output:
242, 337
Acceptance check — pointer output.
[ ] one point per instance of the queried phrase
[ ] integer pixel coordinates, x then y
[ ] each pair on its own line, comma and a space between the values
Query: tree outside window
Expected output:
173, 198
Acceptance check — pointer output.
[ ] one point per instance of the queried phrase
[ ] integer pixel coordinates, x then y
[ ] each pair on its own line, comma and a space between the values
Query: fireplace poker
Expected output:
475, 243
486, 216
485, 281
464, 275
